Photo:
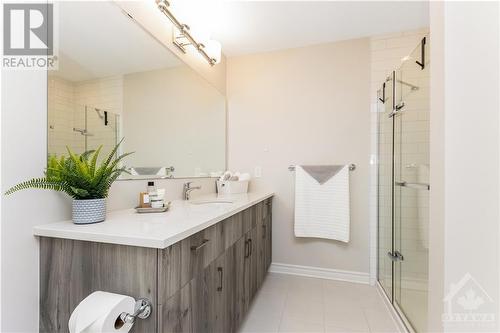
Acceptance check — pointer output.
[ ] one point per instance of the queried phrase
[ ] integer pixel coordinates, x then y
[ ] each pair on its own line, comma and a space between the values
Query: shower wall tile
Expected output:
60, 115
66, 110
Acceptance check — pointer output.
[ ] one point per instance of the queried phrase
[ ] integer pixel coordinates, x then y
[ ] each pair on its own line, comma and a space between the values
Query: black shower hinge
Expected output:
422, 50
105, 118
383, 94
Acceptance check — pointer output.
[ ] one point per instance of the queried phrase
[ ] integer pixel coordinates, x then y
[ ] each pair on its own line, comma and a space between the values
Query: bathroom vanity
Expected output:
200, 263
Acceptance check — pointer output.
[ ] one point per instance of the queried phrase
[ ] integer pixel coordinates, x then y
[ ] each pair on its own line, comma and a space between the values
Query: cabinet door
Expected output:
174, 316
240, 281
170, 278
224, 304
202, 300
230, 290
253, 262
268, 242
260, 251
267, 208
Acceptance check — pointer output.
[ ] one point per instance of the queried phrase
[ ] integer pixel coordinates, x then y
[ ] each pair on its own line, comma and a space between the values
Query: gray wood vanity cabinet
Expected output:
203, 283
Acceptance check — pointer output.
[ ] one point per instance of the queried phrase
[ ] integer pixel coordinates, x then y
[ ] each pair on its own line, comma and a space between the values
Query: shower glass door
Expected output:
403, 187
411, 189
102, 127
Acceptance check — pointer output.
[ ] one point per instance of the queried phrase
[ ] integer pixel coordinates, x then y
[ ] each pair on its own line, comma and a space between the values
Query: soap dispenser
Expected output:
144, 197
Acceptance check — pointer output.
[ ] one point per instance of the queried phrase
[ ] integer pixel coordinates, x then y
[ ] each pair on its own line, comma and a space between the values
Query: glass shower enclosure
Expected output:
81, 128
403, 187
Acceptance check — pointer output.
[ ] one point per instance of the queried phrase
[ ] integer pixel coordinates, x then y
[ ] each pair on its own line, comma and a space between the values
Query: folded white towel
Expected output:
322, 207
225, 176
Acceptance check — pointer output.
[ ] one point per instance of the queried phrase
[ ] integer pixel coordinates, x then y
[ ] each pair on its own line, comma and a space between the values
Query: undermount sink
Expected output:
210, 202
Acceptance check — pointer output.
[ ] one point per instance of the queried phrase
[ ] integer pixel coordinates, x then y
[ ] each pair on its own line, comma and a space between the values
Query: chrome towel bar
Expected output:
417, 186
352, 167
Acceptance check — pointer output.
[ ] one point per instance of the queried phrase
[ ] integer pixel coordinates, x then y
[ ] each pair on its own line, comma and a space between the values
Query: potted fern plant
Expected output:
82, 178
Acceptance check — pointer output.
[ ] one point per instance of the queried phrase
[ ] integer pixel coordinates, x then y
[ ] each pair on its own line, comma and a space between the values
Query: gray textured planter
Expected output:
89, 211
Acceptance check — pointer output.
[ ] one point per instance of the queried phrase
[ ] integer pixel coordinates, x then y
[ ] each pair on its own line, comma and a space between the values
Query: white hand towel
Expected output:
322, 207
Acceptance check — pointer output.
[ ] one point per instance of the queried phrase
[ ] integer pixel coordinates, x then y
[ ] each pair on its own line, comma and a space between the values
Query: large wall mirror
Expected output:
115, 81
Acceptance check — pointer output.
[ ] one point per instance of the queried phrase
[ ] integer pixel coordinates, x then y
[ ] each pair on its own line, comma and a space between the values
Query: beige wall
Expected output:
304, 106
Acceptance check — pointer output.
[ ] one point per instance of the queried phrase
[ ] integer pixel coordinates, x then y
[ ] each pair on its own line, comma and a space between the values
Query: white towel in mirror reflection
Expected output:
148, 171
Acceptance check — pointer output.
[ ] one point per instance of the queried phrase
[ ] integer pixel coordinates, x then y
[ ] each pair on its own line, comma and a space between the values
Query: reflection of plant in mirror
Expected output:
79, 176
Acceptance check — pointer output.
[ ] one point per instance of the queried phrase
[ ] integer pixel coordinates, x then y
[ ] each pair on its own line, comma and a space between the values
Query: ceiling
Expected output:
246, 27
97, 40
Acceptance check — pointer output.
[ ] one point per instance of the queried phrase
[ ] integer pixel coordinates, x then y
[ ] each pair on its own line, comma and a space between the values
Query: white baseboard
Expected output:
321, 273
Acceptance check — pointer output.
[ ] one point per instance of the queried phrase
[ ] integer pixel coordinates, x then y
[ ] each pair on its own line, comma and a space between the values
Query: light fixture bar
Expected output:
164, 5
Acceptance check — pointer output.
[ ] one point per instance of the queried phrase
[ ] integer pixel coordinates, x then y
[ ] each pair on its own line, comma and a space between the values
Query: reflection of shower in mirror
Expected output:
81, 127
103, 115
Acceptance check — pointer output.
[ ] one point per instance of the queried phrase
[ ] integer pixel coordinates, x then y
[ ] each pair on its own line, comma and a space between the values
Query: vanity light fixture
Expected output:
183, 37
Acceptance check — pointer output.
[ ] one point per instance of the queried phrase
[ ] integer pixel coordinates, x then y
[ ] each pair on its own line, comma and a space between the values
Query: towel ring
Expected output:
352, 167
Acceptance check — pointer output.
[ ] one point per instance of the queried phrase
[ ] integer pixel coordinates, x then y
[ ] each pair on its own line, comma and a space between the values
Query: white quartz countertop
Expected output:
155, 230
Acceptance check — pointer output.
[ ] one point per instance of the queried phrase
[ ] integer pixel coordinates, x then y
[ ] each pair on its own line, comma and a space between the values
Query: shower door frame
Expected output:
394, 254
394, 257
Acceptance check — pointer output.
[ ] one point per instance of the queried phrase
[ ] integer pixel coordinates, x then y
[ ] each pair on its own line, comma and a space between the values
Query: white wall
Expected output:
304, 106
465, 179
24, 139
437, 172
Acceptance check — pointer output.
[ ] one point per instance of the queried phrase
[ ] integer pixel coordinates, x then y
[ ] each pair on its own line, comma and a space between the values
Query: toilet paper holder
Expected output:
143, 308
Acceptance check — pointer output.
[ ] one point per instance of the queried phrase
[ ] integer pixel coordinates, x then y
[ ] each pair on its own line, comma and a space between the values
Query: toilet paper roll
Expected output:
100, 312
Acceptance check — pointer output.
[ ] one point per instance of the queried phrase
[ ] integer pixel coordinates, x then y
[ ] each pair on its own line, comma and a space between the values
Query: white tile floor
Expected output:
288, 303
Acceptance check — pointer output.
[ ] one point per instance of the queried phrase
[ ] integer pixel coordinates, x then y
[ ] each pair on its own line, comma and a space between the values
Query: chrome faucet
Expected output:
186, 192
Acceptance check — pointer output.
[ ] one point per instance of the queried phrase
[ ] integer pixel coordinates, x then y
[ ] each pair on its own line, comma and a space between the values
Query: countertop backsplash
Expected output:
125, 193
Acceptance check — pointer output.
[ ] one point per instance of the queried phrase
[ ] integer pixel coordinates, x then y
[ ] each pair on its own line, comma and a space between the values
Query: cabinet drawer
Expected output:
180, 263
199, 250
